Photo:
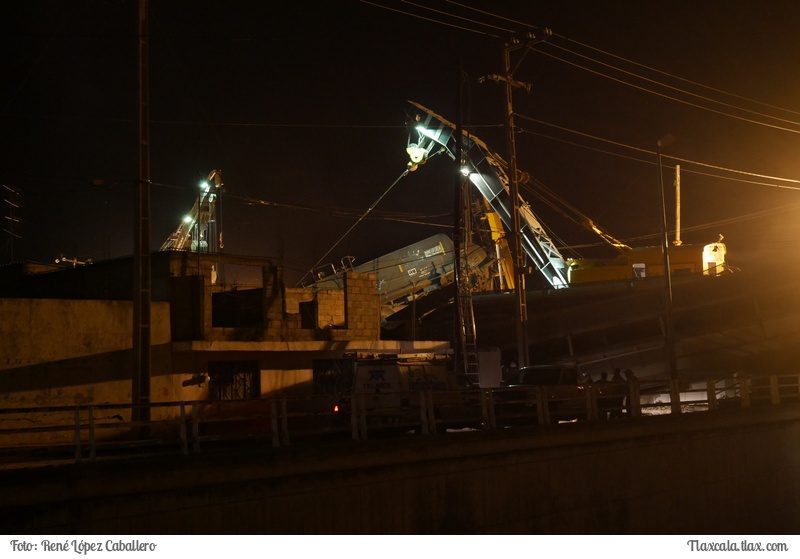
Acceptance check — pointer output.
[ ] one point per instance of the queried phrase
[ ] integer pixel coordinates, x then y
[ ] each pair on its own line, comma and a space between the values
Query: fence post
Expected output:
273, 420
744, 390
431, 413
195, 430
591, 403
92, 451
492, 416
635, 406
184, 441
77, 434
362, 417
774, 391
284, 423
423, 413
354, 417
711, 393
675, 396
484, 408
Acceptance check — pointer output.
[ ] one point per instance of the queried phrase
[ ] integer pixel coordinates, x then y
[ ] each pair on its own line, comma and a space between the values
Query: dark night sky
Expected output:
301, 104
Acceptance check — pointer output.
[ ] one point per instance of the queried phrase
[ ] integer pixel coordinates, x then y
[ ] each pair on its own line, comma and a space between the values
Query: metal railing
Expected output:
106, 431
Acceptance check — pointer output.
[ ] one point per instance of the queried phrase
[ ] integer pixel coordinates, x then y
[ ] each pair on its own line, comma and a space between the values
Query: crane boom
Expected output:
487, 173
196, 231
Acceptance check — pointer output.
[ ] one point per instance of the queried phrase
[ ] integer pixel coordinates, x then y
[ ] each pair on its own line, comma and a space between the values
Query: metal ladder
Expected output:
469, 348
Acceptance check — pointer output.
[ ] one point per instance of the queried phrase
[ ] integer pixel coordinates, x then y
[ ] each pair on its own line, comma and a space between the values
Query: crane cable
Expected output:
360, 219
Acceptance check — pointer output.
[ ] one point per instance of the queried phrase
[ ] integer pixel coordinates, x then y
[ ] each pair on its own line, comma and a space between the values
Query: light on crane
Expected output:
199, 230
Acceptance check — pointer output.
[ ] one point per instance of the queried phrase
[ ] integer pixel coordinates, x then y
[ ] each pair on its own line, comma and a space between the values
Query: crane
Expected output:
486, 171
198, 229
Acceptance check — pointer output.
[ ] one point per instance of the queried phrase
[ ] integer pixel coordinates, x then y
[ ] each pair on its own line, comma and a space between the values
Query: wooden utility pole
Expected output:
670, 336
520, 297
142, 358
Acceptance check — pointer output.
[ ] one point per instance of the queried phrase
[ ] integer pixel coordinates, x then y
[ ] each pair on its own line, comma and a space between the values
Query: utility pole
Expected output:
520, 296
673, 367
140, 393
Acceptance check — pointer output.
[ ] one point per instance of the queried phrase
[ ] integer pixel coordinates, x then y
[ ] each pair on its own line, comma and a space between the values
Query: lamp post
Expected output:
673, 369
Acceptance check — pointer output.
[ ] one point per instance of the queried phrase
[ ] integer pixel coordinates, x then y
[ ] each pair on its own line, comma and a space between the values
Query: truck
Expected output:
554, 393
413, 392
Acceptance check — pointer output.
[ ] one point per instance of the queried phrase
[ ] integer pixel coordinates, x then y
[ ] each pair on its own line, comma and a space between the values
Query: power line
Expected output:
652, 153
676, 77
648, 152
629, 73
490, 14
346, 213
650, 68
429, 19
671, 98
455, 16
706, 98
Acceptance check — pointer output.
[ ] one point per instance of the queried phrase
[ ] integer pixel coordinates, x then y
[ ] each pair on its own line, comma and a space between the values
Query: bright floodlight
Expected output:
432, 134
187, 219
416, 153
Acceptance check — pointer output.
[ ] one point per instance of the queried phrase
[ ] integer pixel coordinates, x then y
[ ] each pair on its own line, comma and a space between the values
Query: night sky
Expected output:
301, 105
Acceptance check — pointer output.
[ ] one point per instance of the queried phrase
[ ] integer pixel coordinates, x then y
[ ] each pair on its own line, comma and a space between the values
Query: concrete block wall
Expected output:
285, 322
331, 308
363, 308
352, 313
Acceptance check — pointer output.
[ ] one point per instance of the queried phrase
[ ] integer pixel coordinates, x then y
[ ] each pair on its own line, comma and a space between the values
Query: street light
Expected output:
673, 368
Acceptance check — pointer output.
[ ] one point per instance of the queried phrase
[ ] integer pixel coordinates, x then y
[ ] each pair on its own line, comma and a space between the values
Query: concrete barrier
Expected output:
728, 471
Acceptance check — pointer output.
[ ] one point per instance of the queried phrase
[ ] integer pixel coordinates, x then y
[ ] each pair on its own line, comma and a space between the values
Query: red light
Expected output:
336, 409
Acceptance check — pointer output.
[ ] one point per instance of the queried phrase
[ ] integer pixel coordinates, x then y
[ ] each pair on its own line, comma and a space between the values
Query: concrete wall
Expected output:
703, 473
62, 352
40, 330
76, 352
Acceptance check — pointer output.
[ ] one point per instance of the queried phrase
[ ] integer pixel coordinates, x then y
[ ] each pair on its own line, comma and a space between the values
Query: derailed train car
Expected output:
410, 272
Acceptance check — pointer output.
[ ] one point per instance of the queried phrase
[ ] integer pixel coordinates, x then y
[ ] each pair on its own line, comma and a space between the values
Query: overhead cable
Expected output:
629, 73
677, 77
360, 219
428, 19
